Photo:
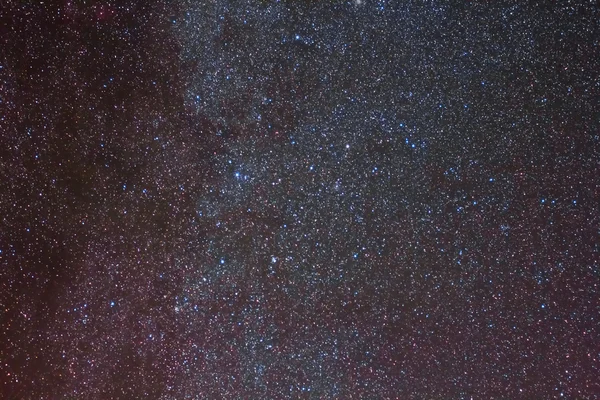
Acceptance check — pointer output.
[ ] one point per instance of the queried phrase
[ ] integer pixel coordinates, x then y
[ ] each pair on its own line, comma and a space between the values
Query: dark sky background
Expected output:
299, 199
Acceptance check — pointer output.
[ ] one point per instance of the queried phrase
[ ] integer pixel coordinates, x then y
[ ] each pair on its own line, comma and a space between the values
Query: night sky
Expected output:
362, 199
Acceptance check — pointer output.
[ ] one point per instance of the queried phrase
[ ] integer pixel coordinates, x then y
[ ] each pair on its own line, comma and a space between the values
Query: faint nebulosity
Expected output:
229, 199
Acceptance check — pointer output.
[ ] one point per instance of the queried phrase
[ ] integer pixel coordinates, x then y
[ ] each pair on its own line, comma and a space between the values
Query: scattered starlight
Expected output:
299, 199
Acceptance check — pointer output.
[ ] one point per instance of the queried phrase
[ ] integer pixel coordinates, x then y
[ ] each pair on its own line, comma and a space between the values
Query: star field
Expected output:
235, 199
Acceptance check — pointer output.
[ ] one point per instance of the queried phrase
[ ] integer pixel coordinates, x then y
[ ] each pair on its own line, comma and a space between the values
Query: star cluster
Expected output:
297, 199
